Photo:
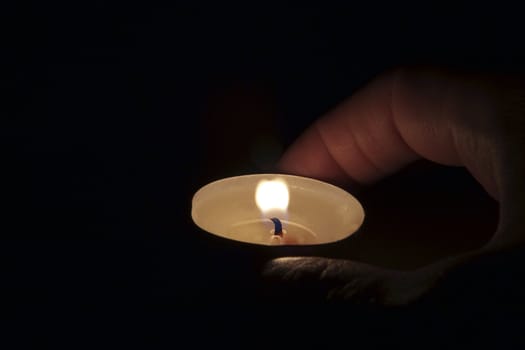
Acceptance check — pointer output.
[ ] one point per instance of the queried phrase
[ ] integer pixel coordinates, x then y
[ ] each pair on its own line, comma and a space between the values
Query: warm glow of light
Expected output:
271, 195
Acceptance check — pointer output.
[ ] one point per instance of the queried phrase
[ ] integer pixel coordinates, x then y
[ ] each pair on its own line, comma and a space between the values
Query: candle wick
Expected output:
278, 227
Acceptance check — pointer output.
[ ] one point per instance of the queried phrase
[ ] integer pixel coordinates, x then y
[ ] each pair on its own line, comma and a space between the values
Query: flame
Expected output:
272, 195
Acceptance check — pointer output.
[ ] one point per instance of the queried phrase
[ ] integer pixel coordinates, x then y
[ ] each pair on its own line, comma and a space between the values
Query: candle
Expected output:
276, 209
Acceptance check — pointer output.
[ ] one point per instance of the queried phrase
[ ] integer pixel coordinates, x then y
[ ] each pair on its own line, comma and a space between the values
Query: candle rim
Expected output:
255, 175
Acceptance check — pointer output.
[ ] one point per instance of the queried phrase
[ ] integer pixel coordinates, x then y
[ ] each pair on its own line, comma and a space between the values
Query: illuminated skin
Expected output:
450, 118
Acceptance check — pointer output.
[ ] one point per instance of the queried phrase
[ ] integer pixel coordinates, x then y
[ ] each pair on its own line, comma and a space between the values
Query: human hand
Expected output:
460, 119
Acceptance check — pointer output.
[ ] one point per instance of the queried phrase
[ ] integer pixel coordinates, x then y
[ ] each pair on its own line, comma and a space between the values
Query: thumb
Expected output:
323, 279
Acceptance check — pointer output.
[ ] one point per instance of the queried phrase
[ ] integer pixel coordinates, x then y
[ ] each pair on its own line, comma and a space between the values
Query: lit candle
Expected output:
272, 198
275, 209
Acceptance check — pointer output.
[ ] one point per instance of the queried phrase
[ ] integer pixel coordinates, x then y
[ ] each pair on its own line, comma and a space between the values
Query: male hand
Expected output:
451, 118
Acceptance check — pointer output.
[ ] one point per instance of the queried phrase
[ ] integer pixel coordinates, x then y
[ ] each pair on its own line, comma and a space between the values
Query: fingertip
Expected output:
309, 157
277, 263
290, 267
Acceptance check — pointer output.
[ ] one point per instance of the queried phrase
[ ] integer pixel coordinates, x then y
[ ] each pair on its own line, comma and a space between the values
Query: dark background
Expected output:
115, 114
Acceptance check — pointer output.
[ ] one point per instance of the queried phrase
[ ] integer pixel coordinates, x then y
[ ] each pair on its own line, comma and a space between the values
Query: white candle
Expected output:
311, 211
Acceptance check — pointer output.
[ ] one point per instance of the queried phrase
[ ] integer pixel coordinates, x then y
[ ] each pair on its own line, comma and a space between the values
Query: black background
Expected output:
115, 114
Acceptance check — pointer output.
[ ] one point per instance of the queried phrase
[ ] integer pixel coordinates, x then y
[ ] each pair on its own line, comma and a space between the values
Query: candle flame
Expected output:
272, 195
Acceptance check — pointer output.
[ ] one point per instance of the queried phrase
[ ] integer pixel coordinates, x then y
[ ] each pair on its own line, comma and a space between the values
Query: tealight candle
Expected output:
276, 209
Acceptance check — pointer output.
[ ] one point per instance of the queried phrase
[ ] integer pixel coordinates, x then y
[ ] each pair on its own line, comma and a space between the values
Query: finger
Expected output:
396, 119
300, 268
314, 278
357, 140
